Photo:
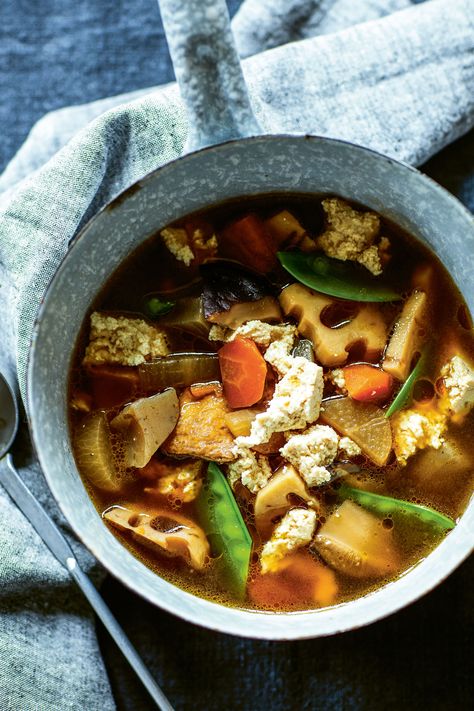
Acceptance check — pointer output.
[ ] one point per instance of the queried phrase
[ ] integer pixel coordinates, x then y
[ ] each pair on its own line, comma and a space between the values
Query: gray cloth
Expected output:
382, 84
263, 24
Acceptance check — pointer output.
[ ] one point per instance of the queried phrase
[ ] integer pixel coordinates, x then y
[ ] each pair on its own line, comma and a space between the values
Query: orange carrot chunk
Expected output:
243, 371
367, 383
301, 581
249, 241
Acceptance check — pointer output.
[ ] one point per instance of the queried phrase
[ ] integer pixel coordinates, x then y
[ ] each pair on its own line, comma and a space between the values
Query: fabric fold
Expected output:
264, 24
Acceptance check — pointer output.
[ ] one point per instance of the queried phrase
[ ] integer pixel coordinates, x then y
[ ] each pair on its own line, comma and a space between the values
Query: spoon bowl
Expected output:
9, 416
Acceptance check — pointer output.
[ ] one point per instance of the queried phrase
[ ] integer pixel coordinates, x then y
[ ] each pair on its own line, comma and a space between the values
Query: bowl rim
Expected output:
234, 615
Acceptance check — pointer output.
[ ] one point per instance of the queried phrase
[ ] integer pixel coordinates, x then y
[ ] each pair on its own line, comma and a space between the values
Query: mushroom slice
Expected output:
354, 542
408, 335
332, 345
266, 309
168, 533
145, 424
274, 498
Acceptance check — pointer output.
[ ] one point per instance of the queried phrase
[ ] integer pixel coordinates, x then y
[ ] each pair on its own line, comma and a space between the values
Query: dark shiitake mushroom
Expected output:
227, 283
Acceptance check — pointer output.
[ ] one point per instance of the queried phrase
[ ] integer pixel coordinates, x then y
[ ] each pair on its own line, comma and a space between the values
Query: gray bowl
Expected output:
251, 166
211, 83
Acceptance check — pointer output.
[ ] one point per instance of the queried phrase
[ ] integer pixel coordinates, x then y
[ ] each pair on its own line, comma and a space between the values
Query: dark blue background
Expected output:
60, 52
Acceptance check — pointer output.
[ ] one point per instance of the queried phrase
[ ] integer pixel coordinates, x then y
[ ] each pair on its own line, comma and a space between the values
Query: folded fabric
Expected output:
263, 24
401, 85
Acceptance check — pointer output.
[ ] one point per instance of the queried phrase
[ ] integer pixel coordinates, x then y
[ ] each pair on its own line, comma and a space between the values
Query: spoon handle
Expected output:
57, 544
208, 71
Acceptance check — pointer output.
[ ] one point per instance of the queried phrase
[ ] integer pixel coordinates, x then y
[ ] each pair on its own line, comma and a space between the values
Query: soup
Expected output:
270, 403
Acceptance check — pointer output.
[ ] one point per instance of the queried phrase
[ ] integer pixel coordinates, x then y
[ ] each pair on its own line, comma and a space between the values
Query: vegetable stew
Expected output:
271, 402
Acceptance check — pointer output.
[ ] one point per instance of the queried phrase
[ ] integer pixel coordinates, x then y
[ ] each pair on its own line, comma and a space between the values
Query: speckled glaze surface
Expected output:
237, 168
208, 71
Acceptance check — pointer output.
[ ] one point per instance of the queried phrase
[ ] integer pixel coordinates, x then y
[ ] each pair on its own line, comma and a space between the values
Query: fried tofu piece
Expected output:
351, 234
187, 246
201, 430
120, 340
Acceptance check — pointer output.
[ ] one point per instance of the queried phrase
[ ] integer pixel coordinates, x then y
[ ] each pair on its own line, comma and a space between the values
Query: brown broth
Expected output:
450, 331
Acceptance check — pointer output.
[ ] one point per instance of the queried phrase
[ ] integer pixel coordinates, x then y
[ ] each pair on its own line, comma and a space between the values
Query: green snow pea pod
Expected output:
344, 280
404, 395
387, 505
156, 307
221, 517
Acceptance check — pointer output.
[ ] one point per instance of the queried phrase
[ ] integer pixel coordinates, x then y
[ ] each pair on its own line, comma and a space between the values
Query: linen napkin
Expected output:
402, 84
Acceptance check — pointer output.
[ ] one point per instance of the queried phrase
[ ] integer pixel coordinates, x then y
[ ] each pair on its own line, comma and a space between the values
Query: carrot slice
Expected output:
367, 383
249, 241
300, 581
243, 371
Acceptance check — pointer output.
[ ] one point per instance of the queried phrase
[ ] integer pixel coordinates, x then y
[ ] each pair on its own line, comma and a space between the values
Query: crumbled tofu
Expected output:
252, 469
336, 376
183, 482
383, 248
278, 354
348, 447
414, 430
185, 248
278, 339
311, 452
294, 530
370, 259
265, 333
459, 382
351, 234
219, 333
118, 340
176, 240
202, 244
294, 405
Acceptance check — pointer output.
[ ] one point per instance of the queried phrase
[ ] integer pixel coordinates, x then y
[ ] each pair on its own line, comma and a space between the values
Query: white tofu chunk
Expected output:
414, 430
295, 530
459, 381
311, 452
295, 403
252, 469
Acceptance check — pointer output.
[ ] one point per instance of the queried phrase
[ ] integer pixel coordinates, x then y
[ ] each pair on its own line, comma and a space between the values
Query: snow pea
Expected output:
404, 395
221, 518
156, 307
334, 277
387, 505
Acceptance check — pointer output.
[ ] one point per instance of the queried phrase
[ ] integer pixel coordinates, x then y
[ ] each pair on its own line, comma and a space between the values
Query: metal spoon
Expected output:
57, 544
